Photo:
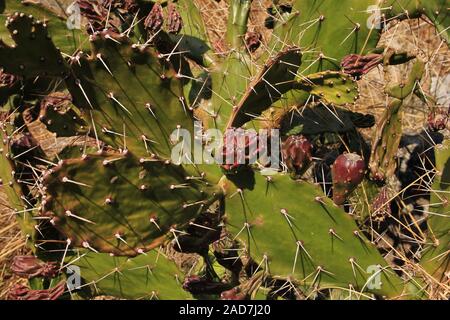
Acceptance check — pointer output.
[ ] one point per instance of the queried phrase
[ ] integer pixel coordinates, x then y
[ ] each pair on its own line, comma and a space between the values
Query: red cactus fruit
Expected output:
358, 65
174, 20
21, 292
30, 266
239, 150
155, 19
347, 172
296, 152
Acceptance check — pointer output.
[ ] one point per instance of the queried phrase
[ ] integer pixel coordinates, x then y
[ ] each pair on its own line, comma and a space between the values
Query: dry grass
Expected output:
11, 244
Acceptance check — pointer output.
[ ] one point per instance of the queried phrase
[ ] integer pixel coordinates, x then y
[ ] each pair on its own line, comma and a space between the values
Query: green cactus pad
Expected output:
315, 242
151, 276
33, 53
275, 78
66, 37
64, 119
11, 187
403, 90
330, 29
121, 204
435, 257
330, 87
383, 161
137, 100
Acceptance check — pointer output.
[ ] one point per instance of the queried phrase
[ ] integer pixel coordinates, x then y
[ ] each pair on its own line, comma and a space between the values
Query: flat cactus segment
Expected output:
128, 206
33, 53
237, 23
315, 242
274, 79
403, 90
10, 184
62, 26
330, 87
137, 100
435, 257
383, 161
322, 119
389, 129
61, 117
150, 277
193, 34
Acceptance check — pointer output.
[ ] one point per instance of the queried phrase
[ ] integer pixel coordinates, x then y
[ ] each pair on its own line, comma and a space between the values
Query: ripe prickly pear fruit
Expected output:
347, 172
296, 152
239, 150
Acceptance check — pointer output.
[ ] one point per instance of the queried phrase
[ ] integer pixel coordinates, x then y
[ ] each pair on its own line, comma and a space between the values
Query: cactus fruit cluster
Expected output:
123, 209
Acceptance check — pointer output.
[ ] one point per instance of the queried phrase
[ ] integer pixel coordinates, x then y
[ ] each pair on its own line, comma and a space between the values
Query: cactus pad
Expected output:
128, 206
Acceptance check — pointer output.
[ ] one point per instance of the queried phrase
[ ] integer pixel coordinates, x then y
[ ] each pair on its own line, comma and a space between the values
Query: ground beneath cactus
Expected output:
425, 42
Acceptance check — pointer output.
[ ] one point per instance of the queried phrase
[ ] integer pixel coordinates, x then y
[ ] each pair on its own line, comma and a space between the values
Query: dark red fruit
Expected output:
253, 41
155, 19
30, 266
174, 20
296, 152
358, 65
347, 172
239, 150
